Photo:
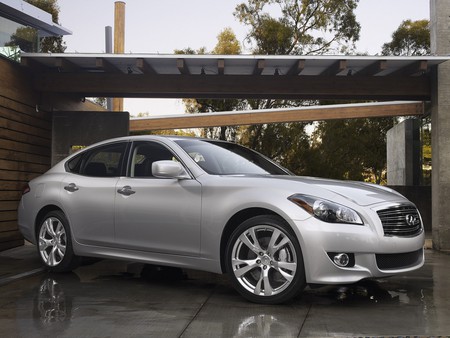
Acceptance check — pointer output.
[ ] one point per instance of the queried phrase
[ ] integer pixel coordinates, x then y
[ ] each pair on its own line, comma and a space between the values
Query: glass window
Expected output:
143, 156
15, 37
104, 161
224, 158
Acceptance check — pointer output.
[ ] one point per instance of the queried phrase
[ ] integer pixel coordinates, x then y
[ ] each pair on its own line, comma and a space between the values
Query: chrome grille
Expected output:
401, 221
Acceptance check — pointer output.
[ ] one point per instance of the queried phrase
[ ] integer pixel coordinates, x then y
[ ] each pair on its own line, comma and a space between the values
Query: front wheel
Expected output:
264, 260
55, 244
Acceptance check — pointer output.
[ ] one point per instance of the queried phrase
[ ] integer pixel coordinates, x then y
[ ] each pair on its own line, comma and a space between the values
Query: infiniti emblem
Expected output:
412, 220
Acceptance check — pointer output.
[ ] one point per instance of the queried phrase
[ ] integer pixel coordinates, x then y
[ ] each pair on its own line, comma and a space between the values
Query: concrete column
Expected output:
440, 125
403, 154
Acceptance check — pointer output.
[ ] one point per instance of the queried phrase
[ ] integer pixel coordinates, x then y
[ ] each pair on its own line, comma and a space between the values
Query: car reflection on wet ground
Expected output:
117, 299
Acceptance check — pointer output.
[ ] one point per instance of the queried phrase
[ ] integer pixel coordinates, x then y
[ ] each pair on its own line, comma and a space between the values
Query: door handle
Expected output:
126, 191
72, 187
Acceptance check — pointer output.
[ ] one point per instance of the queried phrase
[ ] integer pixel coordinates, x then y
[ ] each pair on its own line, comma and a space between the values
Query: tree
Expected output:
54, 44
304, 27
352, 149
412, 38
226, 44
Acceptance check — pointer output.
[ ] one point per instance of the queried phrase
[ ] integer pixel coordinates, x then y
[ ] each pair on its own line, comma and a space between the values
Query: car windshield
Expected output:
223, 158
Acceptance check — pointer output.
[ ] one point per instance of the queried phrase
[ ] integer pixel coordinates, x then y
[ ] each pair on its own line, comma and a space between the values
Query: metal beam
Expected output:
315, 113
236, 86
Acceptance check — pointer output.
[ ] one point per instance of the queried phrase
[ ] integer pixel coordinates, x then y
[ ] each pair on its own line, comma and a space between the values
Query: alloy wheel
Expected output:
264, 260
52, 241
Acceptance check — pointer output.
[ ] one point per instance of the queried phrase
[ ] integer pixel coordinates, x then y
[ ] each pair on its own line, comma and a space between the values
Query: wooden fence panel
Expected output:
25, 146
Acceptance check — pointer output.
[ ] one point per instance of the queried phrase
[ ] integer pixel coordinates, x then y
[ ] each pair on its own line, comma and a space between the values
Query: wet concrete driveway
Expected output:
117, 299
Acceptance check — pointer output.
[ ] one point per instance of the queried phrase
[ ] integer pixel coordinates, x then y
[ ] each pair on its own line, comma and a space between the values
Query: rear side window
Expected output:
104, 161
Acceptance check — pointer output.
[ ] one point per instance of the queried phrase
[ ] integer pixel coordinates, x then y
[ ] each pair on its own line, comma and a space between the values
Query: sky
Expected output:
161, 26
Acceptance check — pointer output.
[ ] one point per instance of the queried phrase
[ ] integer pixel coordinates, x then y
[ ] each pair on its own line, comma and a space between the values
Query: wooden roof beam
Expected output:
259, 67
145, 67
182, 67
414, 68
221, 66
335, 68
297, 67
33, 64
315, 113
64, 65
372, 69
106, 66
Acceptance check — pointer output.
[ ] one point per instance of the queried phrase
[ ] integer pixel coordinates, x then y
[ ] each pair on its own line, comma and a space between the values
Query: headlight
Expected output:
325, 210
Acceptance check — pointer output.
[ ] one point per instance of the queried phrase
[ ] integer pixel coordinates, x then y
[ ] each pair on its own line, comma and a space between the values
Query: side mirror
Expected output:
169, 169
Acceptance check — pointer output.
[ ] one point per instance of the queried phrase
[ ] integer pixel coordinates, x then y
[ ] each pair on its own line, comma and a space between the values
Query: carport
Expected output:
48, 91
411, 80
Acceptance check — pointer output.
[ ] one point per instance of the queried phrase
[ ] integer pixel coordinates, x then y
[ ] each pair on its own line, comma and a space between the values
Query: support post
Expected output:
440, 125
119, 42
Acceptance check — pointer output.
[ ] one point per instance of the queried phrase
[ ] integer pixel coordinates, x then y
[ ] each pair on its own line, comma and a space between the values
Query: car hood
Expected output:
361, 193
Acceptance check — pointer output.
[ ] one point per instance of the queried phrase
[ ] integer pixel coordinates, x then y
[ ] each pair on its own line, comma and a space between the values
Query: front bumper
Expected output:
375, 255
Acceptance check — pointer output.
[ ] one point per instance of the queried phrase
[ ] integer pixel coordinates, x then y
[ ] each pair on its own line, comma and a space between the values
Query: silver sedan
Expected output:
219, 207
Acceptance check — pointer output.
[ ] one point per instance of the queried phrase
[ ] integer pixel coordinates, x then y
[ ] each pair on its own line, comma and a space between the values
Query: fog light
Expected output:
341, 259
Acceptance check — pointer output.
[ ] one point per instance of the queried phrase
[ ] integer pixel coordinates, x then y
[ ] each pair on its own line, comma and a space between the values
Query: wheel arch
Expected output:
41, 214
235, 221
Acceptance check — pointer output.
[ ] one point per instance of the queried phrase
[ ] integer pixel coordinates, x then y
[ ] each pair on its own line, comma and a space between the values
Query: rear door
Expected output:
88, 193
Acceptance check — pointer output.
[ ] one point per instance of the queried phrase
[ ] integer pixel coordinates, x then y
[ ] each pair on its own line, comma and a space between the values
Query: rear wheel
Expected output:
264, 260
55, 243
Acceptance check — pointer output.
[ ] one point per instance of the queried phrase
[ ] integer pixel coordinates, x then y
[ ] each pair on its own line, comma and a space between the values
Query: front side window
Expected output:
144, 154
104, 161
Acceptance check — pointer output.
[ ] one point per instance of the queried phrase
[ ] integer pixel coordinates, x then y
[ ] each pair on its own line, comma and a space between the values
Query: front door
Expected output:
156, 214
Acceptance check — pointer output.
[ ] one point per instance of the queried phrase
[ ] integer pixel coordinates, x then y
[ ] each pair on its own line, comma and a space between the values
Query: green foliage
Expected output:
227, 44
24, 39
412, 38
350, 149
53, 44
286, 143
304, 27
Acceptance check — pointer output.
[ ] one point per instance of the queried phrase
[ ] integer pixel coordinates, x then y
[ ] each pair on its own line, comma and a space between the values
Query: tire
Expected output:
264, 261
54, 243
